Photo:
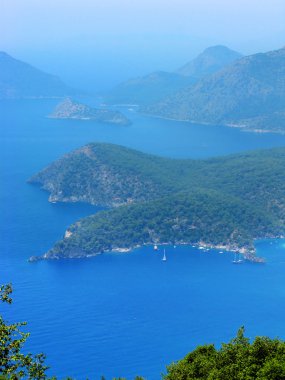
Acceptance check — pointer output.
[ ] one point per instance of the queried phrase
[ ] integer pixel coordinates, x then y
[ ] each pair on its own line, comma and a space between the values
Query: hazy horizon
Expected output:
105, 43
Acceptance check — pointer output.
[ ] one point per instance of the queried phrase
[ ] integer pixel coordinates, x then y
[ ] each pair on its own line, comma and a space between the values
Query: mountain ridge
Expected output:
211, 60
22, 80
249, 93
159, 84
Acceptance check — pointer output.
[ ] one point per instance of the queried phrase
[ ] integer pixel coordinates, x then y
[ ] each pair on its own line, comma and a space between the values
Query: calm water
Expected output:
122, 315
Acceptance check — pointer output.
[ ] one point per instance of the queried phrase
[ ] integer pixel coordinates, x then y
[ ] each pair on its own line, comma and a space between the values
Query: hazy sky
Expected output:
134, 36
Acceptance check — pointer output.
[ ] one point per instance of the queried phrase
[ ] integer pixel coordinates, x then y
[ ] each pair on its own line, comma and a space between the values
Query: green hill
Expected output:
106, 174
207, 218
223, 202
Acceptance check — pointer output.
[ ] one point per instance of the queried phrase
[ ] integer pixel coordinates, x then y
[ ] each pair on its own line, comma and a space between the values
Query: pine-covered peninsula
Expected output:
225, 202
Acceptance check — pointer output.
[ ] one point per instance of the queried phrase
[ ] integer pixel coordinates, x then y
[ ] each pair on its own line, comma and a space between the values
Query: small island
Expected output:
70, 109
225, 203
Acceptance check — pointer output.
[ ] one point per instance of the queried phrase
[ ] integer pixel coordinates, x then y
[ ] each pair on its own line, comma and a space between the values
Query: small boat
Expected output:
237, 259
221, 252
164, 256
155, 247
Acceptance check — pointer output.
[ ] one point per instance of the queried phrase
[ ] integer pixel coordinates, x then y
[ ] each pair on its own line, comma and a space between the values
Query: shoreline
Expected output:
242, 127
247, 253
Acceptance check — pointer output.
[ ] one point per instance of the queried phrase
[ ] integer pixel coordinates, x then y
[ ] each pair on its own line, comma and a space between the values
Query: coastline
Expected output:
242, 127
94, 235
247, 253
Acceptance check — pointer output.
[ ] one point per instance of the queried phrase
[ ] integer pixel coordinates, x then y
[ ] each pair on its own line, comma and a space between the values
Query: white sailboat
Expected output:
237, 259
155, 247
164, 255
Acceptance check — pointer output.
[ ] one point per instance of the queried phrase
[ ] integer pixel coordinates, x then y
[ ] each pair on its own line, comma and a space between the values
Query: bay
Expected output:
122, 314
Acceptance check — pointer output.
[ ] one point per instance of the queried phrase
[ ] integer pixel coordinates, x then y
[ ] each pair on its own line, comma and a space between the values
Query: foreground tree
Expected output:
14, 364
263, 359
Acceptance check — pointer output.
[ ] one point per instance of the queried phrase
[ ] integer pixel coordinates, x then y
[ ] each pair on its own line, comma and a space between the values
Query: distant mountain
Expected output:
147, 89
21, 80
158, 85
69, 109
220, 202
211, 60
249, 93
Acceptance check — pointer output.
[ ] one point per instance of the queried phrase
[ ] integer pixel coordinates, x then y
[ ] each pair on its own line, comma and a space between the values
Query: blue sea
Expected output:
123, 314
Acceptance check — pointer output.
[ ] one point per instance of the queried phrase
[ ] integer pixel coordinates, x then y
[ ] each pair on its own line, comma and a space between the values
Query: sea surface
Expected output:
123, 314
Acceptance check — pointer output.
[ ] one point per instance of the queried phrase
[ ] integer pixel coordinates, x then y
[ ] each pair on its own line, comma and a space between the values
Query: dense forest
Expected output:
202, 217
222, 202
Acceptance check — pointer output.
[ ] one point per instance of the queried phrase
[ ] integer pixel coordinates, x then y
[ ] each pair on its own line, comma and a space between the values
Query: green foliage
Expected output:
5, 292
262, 359
186, 217
107, 174
14, 364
